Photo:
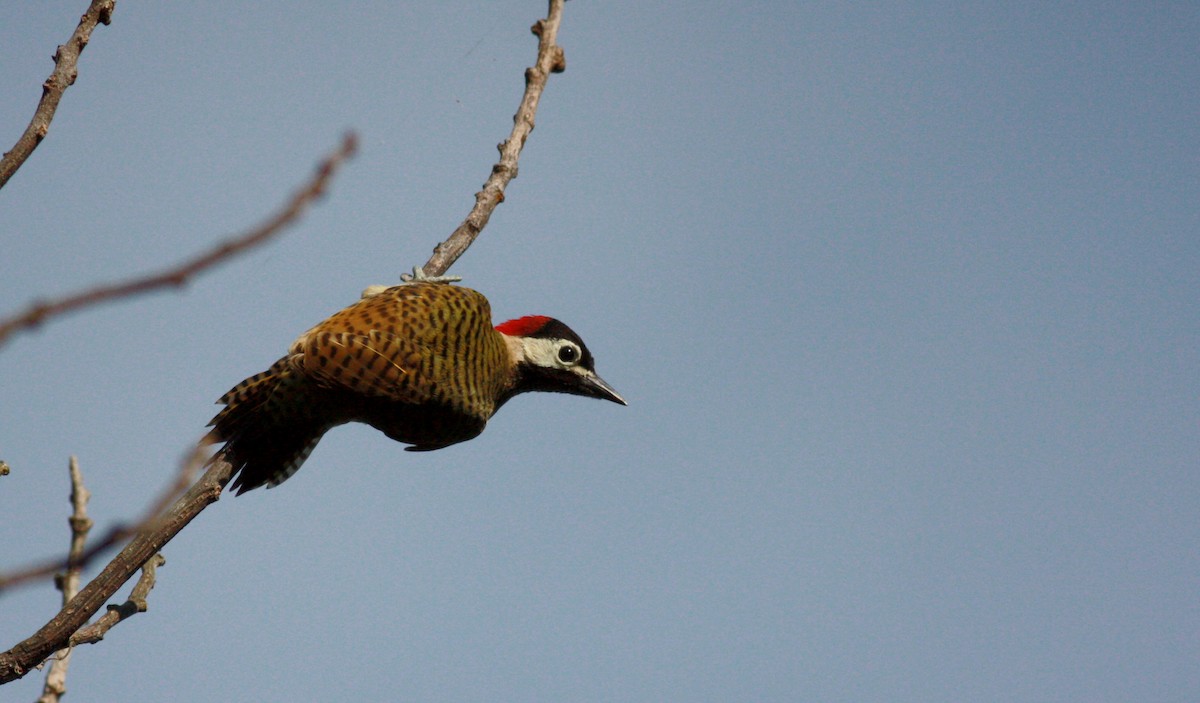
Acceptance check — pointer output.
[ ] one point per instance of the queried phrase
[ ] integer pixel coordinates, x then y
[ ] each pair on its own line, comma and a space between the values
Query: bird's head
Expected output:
551, 357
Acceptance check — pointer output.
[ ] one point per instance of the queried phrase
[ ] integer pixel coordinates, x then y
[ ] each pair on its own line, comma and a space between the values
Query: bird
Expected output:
419, 361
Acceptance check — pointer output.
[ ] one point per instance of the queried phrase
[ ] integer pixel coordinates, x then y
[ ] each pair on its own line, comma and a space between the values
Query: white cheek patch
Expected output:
543, 352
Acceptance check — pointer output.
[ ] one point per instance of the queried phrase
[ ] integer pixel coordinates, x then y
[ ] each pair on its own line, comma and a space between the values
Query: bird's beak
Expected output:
597, 387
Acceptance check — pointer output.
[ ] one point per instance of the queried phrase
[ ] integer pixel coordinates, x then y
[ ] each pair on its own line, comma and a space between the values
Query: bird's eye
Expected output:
568, 353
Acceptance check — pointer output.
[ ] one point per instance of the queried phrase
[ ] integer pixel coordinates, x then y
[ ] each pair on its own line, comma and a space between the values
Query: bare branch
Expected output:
182, 273
550, 59
68, 581
81, 524
66, 70
136, 603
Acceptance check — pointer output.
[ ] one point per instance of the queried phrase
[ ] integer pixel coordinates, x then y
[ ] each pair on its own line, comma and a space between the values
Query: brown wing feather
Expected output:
374, 364
414, 343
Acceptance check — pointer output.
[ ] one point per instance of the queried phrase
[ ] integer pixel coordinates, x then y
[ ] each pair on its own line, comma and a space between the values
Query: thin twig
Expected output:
66, 70
136, 603
550, 59
68, 581
182, 273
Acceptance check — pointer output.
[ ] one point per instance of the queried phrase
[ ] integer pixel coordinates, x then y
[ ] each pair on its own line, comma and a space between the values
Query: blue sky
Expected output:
903, 298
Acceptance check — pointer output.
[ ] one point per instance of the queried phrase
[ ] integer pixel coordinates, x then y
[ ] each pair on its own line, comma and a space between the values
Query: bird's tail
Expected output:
269, 427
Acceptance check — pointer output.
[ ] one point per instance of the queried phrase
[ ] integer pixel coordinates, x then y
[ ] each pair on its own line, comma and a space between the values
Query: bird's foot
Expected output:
418, 276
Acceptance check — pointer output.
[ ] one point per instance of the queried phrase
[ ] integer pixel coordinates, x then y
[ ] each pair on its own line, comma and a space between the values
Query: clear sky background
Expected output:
904, 298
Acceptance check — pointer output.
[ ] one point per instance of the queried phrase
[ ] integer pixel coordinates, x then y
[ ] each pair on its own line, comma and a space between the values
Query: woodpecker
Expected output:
420, 361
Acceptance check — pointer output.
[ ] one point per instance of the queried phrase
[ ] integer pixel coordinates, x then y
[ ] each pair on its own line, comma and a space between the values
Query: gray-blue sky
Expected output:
904, 300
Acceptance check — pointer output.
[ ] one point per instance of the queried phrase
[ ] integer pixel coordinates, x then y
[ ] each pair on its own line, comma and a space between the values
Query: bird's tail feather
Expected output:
268, 428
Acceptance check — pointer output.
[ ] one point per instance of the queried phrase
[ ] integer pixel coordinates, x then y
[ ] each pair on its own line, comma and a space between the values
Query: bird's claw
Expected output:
418, 276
